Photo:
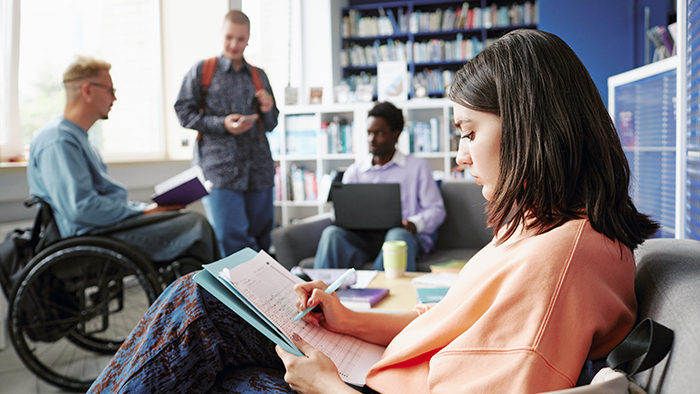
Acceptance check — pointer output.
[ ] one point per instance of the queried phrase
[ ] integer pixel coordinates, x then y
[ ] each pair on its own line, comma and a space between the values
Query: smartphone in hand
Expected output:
245, 119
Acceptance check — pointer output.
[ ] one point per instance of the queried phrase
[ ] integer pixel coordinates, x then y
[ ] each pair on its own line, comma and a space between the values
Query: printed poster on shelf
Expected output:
392, 81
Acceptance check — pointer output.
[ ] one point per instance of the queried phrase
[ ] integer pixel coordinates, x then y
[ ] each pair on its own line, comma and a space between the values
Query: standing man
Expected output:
67, 173
422, 207
233, 153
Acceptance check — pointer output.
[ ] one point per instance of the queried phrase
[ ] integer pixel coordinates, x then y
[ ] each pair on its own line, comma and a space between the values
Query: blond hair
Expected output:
84, 67
237, 17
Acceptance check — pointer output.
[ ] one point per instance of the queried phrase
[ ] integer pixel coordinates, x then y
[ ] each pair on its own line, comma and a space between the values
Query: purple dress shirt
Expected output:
421, 201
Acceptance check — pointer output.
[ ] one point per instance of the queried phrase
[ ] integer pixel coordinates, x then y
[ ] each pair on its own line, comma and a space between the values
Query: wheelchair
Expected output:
77, 299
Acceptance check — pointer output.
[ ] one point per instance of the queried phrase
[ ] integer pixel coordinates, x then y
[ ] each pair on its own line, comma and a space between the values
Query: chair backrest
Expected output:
465, 224
668, 291
45, 229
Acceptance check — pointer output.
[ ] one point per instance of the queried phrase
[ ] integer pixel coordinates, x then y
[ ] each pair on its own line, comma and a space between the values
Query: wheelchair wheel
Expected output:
180, 267
75, 305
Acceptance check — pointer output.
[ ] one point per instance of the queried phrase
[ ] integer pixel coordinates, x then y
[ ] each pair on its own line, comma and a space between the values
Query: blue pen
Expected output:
333, 287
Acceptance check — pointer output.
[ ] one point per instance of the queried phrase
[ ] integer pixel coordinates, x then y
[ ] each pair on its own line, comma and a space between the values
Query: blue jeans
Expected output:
341, 248
240, 219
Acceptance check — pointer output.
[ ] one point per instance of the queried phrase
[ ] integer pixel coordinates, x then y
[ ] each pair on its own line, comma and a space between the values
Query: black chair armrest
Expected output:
296, 242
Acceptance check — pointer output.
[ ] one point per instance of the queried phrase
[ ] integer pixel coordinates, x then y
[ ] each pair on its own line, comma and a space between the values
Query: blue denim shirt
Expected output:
69, 174
234, 162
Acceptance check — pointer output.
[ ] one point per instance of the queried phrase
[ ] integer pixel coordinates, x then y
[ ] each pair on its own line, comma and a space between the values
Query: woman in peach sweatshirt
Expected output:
554, 288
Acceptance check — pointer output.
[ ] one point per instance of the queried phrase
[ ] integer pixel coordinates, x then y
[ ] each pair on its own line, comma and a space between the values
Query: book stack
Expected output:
359, 299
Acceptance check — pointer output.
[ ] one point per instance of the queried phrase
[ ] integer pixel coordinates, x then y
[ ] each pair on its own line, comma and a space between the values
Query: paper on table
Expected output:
364, 277
269, 287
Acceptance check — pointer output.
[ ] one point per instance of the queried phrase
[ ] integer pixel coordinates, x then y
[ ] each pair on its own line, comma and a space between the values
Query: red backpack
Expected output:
208, 73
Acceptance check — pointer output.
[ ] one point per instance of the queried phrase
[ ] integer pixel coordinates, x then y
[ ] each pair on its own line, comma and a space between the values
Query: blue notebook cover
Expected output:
219, 288
427, 295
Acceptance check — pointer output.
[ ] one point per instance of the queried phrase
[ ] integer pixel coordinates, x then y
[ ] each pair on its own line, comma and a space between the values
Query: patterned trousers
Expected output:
189, 342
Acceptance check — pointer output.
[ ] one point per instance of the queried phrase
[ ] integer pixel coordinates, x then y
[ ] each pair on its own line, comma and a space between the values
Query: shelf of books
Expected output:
314, 143
434, 38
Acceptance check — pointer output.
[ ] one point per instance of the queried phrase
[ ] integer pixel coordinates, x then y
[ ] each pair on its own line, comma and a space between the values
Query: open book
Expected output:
261, 291
182, 189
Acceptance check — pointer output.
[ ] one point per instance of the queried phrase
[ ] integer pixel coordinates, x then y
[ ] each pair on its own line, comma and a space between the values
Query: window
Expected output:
692, 137
125, 33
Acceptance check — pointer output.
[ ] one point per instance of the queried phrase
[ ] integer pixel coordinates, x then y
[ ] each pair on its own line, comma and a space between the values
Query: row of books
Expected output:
301, 184
420, 136
359, 56
336, 137
386, 24
447, 51
431, 51
663, 41
464, 17
433, 81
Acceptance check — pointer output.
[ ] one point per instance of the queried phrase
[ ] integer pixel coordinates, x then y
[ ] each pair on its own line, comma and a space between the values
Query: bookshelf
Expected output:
307, 126
435, 38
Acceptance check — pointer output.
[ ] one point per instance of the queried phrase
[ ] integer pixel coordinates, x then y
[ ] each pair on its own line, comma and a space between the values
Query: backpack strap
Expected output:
208, 69
208, 72
256, 78
258, 85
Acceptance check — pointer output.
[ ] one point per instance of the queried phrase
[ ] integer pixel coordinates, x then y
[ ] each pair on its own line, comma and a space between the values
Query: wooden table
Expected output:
402, 295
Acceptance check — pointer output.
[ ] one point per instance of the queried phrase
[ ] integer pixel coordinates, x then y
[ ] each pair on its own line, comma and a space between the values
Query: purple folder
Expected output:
183, 194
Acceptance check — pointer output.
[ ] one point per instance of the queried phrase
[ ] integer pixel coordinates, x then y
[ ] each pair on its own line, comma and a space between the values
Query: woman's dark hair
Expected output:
391, 115
561, 157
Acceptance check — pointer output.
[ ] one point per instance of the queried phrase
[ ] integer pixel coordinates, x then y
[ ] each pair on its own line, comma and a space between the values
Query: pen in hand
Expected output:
333, 287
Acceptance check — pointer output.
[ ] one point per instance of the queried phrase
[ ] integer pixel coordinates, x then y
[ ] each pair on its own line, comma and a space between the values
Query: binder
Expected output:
265, 302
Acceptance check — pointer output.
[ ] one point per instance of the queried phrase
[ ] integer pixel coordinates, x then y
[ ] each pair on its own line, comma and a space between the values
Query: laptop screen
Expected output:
367, 206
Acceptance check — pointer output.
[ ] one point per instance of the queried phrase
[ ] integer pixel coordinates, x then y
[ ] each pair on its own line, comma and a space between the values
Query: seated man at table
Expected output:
67, 173
423, 210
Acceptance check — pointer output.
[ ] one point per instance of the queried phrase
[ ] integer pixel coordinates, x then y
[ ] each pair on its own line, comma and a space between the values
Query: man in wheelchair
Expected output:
95, 261
67, 173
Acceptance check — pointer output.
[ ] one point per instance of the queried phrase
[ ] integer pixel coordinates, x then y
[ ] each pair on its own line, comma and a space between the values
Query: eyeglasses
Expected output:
114, 91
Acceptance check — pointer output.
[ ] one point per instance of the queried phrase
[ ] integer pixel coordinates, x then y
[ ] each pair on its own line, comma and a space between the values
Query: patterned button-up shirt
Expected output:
234, 162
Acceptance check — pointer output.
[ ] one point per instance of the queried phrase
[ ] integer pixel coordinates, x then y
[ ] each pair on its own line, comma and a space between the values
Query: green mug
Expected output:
394, 255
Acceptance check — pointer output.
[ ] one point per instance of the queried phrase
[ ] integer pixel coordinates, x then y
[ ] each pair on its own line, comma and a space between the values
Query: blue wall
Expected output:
607, 35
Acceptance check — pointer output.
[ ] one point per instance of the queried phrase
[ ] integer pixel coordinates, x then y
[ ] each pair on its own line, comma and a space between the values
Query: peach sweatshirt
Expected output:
522, 317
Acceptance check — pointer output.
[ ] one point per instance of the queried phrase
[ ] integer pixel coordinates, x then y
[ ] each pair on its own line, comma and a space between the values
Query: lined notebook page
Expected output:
269, 287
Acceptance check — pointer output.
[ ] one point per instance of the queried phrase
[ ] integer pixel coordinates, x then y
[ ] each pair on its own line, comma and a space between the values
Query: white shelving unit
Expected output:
287, 211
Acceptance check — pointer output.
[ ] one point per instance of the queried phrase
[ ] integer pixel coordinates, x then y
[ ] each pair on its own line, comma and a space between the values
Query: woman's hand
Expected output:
328, 313
314, 373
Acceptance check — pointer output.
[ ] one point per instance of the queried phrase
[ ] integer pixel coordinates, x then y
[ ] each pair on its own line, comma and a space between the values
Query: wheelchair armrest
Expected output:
296, 242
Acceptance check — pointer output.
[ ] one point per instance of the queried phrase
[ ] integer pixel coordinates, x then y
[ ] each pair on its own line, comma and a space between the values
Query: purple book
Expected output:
182, 189
361, 298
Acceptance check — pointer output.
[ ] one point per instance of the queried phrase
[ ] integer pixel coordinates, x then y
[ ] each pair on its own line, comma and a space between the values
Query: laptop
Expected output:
366, 206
